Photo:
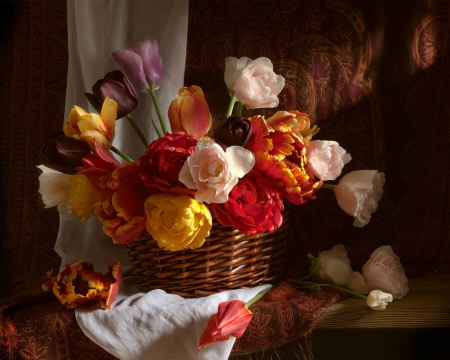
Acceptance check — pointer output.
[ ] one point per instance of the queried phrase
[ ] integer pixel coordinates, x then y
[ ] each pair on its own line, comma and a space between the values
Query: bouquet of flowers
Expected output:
242, 174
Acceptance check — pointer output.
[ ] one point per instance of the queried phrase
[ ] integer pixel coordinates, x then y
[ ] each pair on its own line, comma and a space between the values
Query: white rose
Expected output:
326, 159
54, 188
233, 69
335, 265
214, 172
358, 194
378, 300
258, 86
384, 271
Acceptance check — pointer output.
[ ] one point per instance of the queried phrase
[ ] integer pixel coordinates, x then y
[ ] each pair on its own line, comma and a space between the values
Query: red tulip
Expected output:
232, 319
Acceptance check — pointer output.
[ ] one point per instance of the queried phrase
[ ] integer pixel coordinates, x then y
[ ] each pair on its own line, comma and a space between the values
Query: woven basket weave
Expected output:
228, 260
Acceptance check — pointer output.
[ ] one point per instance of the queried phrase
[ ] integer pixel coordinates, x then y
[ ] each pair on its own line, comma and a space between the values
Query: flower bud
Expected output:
378, 300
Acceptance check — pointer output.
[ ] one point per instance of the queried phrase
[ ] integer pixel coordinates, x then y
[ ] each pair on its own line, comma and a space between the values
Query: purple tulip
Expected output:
142, 65
63, 153
115, 85
235, 130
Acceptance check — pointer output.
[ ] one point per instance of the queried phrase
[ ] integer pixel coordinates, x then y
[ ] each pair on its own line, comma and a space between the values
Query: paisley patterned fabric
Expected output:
372, 75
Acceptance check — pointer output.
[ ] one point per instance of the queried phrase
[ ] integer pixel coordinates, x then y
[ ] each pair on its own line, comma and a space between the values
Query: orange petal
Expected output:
258, 140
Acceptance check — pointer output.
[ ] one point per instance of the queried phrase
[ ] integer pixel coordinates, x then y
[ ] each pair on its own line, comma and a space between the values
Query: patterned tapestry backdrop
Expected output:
373, 75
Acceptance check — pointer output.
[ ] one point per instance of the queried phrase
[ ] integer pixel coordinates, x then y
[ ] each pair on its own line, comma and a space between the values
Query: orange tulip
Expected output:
189, 112
232, 319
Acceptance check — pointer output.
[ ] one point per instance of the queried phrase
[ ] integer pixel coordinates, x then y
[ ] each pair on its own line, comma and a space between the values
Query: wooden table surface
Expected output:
427, 305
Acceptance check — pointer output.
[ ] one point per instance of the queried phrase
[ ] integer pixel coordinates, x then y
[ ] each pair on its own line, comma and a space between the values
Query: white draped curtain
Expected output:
96, 28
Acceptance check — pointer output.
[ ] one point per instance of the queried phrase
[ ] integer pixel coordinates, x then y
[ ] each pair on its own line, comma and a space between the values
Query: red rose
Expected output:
254, 205
161, 164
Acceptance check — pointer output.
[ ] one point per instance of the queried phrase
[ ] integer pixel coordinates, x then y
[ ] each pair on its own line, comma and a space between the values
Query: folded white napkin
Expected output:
157, 325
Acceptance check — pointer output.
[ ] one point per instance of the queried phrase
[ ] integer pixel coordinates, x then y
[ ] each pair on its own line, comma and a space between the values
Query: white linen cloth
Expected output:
158, 326
155, 325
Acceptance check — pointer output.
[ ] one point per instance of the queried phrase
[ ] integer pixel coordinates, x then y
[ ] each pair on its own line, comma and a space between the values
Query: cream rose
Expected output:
358, 194
258, 86
335, 265
326, 159
214, 172
383, 271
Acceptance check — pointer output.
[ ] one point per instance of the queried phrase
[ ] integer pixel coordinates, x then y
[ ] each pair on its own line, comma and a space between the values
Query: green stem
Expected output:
231, 105
328, 186
339, 288
257, 297
156, 129
239, 109
137, 130
120, 153
158, 111
314, 271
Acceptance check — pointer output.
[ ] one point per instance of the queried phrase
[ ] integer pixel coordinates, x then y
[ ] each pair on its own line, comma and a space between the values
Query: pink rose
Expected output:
326, 159
258, 86
358, 194
335, 265
383, 271
214, 172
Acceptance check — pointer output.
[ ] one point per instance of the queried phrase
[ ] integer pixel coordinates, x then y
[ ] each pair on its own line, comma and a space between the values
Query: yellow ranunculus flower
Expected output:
177, 222
82, 197
88, 127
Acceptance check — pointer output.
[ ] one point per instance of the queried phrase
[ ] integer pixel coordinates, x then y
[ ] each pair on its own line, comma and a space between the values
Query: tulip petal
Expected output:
195, 116
151, 62
131, 64
242, 159
117, 91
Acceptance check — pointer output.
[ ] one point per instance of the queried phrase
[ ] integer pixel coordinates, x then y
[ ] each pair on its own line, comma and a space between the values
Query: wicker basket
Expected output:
228, 260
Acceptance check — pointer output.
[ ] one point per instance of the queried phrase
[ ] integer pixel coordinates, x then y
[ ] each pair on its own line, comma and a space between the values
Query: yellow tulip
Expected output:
177, 222
89, 127
189, 112
82, 197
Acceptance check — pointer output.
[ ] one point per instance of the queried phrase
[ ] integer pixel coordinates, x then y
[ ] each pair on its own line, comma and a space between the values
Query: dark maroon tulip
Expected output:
235, 130
115, 85
63, 153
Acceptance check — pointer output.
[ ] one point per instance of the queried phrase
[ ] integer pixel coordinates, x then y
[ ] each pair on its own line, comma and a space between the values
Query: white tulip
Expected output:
233, 69
54, 188
358, 194
326, 159
378, 300
334, 265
